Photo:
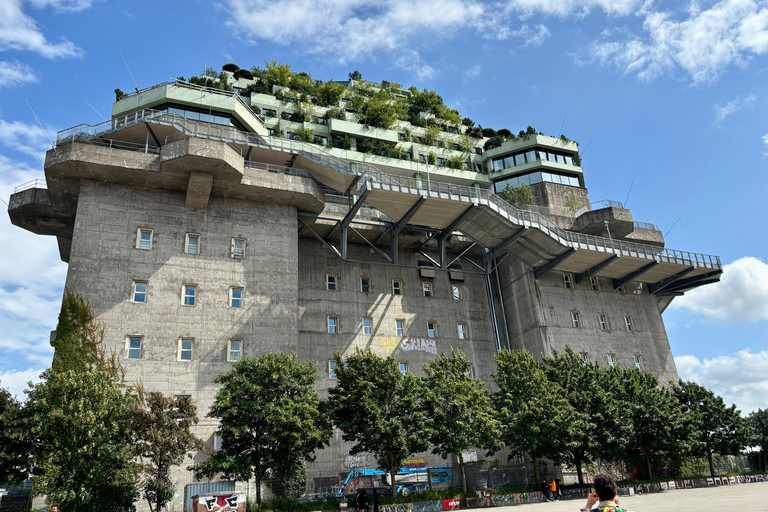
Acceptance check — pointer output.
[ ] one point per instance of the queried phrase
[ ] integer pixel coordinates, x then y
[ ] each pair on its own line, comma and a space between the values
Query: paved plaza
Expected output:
737, 498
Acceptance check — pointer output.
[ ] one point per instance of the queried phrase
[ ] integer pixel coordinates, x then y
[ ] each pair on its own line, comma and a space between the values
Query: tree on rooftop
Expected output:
717, 429
379, 409
162, 436
329, 94
535, 416
231, 67
459, 408
270, 417
355, 75
277, 74
425, 101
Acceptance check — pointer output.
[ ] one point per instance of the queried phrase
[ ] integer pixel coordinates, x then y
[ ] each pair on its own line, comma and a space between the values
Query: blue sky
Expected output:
668, 95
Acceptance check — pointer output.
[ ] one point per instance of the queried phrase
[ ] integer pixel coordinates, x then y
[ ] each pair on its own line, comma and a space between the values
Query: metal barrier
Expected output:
646, 225
36, 183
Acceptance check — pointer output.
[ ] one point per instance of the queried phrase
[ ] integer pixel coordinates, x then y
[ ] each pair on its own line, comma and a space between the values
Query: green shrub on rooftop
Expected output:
231, 67
330, 94
243, 73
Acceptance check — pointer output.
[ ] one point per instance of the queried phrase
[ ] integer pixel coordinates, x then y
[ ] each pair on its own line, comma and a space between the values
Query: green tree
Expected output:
355, 75
432, 135
717, 429
329, 94
535, 416
757, 422
660, 426
15, 441
78, 335
379, 408
431, 158
83, 454
270, 418
600, 432
277, 74
460, 409
162, 436
525, 193
378, 113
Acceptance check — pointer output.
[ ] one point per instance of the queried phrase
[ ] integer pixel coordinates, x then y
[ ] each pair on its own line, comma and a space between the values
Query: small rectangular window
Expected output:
365, 284
134, 347
567, 281
238, 248
333, 324
603, 320
638, 290
404, 368
456, 288
462, 329
584, 357
427, 289
235, 351
628, 322
399, 327
144, 239
593, 282
611, 360
190, 295
639, 363
235, 297
330, 282
185, 349
139, 292
432, 329
192, 244
331, 369
367, 325
576, 319
397, 287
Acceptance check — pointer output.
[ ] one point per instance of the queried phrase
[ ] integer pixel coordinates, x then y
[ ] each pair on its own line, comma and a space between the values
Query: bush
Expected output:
230, 67
505, 133
431, 158
243, 73
336, 113
456, 162
340, 142
259, 87
330, 94
493, 142
488, 132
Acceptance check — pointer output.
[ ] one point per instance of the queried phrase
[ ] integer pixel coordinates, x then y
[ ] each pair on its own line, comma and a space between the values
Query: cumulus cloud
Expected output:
16, 381
15, 73
736, 104
26, 138
740, 296
18, 31
704, 44
410, 60
739, 378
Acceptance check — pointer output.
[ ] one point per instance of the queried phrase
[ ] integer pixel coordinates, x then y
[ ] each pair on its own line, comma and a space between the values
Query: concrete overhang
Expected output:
619, 220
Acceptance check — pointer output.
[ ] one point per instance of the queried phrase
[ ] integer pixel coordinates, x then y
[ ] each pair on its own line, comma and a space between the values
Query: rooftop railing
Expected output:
646, 225
37, 183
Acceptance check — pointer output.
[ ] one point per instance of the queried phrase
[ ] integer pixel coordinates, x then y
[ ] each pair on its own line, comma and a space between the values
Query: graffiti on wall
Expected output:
220, 502
419, 506
428, 345
356, 461
414, 463
524, 497
358, 482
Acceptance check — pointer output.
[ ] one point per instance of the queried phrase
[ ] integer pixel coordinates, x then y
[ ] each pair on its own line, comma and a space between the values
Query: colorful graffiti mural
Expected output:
428, 345
358, 482
219, 502
414, 463
419, 506
513, 499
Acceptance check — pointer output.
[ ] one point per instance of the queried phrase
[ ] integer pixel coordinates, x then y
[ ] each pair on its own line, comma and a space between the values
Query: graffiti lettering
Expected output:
390, 343
511, 499
414, 463
421, 344
356, 461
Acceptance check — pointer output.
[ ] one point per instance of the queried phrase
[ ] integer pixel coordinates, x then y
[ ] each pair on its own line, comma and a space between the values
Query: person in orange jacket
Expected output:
553, 490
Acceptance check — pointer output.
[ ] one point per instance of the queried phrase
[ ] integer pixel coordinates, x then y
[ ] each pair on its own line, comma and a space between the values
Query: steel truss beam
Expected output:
665, 283
540, 271
594, 270
618, 283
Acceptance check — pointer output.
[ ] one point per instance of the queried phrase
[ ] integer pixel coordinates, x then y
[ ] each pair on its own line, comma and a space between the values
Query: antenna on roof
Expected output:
630, 190
675, 224
585, 149
135, 85
94, 109
563, 123
41, 126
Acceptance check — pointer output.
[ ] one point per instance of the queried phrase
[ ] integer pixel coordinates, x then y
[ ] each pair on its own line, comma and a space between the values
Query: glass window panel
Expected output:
404, 368
235, 350
185, 354
535, 177
140, 292
331, 325
542, 155
237, 298
509, 162
520, 159
193, 244
574, 181
366, 326
498, 164
189, 295
399, 327
192, 115
530, 156
332, 369
431, 329
545, 176
569, 160
525, 179
134, 348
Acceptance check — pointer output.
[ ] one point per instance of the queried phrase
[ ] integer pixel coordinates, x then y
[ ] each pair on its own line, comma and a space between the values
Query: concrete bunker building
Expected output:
201, 231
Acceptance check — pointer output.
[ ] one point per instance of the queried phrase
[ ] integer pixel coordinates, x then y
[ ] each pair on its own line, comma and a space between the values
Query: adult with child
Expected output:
603, 497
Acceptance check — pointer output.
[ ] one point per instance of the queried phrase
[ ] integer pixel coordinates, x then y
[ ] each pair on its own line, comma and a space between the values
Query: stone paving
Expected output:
751, 497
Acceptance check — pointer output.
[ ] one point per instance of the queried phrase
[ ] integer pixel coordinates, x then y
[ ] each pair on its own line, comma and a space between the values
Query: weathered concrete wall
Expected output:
539, 319
105, 262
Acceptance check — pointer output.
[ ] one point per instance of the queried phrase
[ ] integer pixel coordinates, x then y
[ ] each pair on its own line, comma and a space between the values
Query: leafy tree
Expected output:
270, 418
494, 142
425, 101
757, 422
506, 134
242, 73
535, 416
432, 135
466, 143
449, 115
460, 409
336, 113
231, 67
600, 432
456, 162
355, 75
278, 74
78, 336
717, 429
431, 158
660, 426
378, 113
83, 455
525, 194
379, 408
161, 429
15, 441
330, 93
303, 83
468, 122
489, 132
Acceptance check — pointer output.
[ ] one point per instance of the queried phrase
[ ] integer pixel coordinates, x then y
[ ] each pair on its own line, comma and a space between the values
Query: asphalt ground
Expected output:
752, 497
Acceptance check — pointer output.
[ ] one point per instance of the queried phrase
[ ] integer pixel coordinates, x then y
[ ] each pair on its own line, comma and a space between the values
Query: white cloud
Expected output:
533, 37
26, 138
473, 72
20, 32
410, 60
15, 73
739, 378
16, 381
565, 8
765, 142
740, 296
348, 29
732, 106
63, 5
703, 45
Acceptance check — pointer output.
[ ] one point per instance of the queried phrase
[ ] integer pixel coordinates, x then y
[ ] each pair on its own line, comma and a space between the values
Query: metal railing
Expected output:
205, 90
370, 175
646, 225
36, 183
279, 169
